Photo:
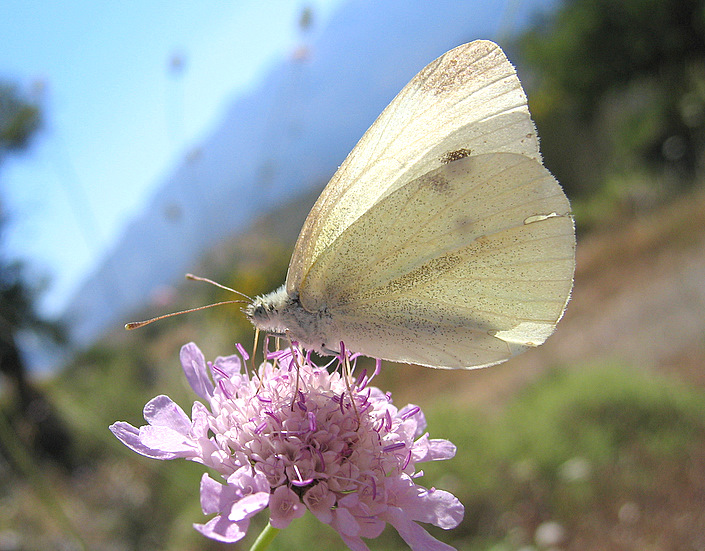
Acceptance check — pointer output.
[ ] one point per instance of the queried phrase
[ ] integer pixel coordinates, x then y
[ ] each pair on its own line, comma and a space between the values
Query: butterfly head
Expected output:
265, 312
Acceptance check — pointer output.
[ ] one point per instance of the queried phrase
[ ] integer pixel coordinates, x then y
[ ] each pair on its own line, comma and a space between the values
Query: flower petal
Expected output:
222, 529
212, 495
133, 438
344, 522
417, 538
320, 502
354, 543
162, 411
168, 441
248, 482
249, 506
427, 449
284, 506
194, 365
230, 365
434, 506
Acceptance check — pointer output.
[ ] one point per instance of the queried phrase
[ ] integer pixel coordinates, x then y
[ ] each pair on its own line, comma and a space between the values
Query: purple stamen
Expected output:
393, 447
413, 411
219, 371
224, 390
363, 380
260, 427
408, 459
242, 351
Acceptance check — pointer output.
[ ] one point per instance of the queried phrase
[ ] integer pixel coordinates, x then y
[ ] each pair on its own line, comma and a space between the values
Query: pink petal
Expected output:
132, 438
354, 543
416, 537
370, 527
168, 441
162, 411
249, 506
320, 502
194, 365
248, 482
437, 507
216, 497
230, 365
284, 506
426, 449
221, 529
344, 522
230, 500
418, 418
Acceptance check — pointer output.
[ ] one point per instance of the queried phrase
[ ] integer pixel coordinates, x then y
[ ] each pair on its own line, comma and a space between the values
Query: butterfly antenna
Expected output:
138, 324
206, 280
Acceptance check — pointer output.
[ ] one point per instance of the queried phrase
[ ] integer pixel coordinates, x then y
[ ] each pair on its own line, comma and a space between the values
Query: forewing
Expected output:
462, 267
467, 102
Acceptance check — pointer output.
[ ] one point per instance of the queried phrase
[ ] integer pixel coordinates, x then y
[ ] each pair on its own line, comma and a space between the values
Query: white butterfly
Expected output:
441, 240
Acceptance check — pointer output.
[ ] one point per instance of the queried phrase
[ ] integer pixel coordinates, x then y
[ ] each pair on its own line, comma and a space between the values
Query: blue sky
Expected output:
118, 116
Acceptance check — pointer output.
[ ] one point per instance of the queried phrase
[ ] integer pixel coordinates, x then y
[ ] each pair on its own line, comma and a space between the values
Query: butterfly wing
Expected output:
464, 266
467, 102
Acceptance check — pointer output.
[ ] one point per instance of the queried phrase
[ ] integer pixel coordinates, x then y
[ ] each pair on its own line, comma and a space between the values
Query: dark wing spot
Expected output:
464, 224
437, 181
455, 155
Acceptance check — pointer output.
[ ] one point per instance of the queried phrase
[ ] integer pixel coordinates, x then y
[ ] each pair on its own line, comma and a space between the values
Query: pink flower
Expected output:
294, 437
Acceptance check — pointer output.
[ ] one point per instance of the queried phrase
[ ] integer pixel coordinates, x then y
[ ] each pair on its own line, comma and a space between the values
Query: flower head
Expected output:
294, 437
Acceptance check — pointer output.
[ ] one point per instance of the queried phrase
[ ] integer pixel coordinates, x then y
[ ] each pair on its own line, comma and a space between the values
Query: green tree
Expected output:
31, 413
619, 90
19, 120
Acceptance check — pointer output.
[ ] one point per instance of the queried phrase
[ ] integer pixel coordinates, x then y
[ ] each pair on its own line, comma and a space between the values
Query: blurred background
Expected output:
140, 141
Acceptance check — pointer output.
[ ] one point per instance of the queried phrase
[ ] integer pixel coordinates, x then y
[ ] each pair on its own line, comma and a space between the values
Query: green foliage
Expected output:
618, 88
19, 119
590, 47
574, 447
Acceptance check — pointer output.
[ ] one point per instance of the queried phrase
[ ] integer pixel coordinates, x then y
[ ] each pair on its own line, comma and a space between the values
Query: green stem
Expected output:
265, 538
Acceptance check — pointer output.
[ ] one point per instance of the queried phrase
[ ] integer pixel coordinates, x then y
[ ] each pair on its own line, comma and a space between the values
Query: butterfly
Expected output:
441, 240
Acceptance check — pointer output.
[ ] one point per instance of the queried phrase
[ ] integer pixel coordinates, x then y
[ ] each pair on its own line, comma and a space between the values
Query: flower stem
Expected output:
265, 538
